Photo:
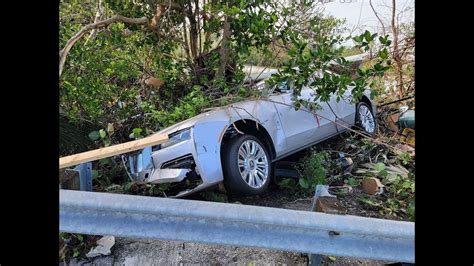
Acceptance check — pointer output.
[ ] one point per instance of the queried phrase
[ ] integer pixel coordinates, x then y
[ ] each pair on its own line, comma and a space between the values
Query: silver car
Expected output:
239, 143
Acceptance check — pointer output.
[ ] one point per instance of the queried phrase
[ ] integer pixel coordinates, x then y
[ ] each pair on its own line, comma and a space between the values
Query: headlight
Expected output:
177, 137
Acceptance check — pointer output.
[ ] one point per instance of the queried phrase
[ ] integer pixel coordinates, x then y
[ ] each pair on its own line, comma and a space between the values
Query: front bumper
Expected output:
156, 165
173, 164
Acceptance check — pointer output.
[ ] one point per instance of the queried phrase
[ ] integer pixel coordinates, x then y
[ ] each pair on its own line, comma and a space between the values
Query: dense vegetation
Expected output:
185, 54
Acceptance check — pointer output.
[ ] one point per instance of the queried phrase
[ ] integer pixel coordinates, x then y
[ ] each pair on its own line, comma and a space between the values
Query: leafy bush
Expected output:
190, 105
312, 170
75, 245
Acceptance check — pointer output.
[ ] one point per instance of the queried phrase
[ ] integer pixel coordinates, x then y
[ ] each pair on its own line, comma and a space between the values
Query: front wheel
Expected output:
365, 119
246, 165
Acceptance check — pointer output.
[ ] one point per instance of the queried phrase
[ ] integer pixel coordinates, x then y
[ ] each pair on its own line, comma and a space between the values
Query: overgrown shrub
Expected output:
312, 170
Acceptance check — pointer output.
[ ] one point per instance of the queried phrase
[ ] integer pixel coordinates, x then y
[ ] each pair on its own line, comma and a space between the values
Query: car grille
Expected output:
186, 161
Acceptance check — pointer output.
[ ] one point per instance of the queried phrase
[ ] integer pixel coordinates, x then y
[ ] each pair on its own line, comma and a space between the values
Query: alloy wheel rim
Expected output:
366, 119
253, 163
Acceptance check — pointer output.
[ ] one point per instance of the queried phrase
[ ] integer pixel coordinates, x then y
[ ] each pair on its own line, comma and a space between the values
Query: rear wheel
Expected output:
246, 164
365, 119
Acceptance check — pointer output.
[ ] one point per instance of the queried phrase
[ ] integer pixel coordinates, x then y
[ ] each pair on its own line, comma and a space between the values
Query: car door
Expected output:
301, 127
326, 117
297, 125
344, 109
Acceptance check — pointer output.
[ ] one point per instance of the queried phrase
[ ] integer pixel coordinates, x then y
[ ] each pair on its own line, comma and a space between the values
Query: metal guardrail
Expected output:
235, 224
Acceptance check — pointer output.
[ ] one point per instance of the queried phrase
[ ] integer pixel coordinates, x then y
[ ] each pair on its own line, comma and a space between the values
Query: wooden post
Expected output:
101, 153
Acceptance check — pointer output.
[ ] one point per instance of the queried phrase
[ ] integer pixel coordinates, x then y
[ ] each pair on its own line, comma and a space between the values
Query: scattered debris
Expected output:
154, 82
372, 186
322, 191
346, 163
407, 119
325, 202
103, 247
374, 169
329, 205
69, 179
392, 121
406, 148
408, 136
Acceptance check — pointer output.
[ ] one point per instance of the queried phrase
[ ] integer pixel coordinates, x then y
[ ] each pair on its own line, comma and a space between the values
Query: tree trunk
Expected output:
396, 54
193, 30
224, 50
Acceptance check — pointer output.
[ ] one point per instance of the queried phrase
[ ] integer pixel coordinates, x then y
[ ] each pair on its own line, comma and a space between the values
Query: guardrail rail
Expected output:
235, 224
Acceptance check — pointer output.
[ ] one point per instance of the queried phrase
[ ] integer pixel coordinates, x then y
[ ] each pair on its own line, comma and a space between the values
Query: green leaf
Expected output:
95, 174
76, 253
407, 184
383, 54
359, 38
102, 133
367, 36
107, 142
383, 173
369, 202
303, 183
379, 167
94, 135
137, 132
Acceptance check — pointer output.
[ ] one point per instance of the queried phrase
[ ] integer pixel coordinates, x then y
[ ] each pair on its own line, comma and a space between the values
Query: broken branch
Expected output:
151, 25
104, 23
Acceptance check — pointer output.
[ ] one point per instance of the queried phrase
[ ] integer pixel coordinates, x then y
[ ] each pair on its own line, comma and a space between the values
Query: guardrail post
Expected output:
85, 176
319, 191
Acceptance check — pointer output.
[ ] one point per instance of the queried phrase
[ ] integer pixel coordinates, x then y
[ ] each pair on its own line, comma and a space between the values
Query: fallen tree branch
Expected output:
98, 17
399, 100
149, 24
104, 23
377, 15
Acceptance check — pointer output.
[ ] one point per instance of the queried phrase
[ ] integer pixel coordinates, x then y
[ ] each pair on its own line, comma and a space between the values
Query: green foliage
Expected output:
405, 158
288, 184
100, 136
102, 80
400, 191
136, 133
353, 182
75, 245
306, 59
351, 51
153, 190
213, 196
190, 105
312, 170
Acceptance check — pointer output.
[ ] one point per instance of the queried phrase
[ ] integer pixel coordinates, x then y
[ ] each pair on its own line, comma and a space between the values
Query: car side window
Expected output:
285, 86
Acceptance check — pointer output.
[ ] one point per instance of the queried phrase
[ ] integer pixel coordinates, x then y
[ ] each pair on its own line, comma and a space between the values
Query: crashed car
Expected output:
239, 143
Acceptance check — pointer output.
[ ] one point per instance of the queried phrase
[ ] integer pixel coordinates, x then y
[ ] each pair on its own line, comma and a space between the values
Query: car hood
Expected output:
183, 124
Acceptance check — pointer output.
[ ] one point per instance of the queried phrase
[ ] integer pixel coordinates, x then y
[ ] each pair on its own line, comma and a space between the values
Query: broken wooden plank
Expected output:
101, 153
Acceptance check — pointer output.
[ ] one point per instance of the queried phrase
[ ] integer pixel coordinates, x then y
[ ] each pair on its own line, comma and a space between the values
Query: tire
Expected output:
259, 169
365, 119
